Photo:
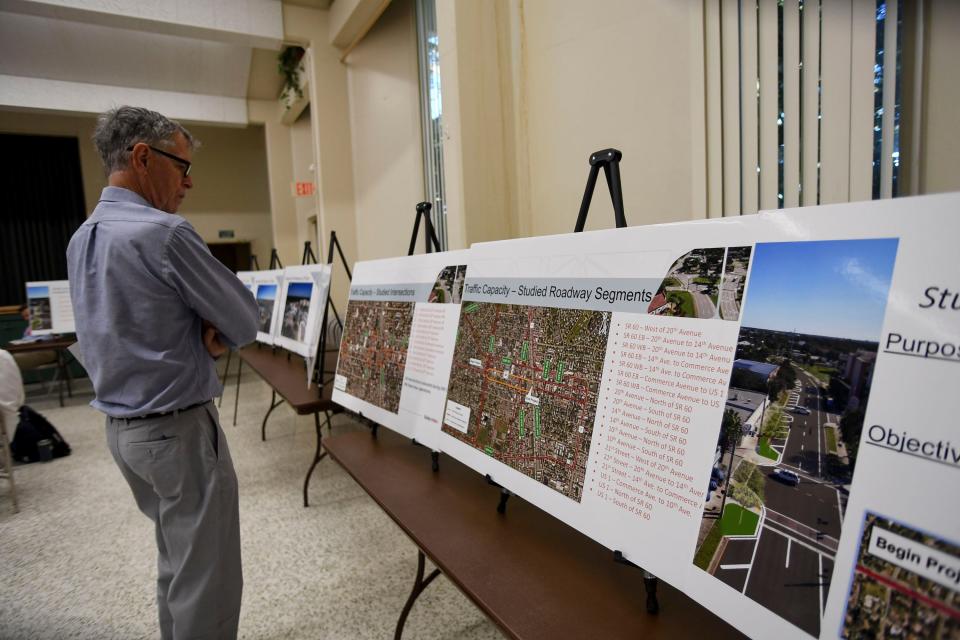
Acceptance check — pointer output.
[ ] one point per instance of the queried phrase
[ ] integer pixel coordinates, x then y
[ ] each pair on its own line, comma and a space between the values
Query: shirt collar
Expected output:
119, 194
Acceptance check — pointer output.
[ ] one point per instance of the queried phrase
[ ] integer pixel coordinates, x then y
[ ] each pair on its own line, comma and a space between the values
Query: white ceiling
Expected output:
37, 47
98, 50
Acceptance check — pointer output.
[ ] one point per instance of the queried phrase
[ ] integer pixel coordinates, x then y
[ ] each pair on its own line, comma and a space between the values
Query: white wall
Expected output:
385, 124
623, 77
304, 170
231, 189
940, 137
532, 88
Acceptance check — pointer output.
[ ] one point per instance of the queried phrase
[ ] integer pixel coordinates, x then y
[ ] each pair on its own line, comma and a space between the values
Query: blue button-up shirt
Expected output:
141, 280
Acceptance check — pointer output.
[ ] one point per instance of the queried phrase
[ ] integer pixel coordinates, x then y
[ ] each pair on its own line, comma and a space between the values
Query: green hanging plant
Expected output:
288, 66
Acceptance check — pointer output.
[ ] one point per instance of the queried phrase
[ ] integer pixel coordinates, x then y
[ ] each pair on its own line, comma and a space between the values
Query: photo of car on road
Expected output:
798, 391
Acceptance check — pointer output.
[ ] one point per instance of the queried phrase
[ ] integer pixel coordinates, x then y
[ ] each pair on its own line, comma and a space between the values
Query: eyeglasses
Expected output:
184, 163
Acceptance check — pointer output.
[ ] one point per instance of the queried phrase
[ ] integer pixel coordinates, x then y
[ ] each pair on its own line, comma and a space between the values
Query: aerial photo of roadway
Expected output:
783, 556
373, 350
528, 379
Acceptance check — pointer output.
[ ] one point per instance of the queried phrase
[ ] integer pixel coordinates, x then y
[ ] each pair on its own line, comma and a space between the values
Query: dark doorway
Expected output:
236, 255
42, 206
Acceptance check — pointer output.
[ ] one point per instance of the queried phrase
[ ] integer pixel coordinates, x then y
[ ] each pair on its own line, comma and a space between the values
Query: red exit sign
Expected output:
303, 188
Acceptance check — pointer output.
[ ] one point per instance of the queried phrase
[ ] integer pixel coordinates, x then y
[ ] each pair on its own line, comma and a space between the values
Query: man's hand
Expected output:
211, 340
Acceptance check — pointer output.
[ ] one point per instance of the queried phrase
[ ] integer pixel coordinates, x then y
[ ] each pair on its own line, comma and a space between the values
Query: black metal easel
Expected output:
429, 236
320, 370
420, 583
254, 266
431, 244
275, 260
308, 256
609, 161
274, 403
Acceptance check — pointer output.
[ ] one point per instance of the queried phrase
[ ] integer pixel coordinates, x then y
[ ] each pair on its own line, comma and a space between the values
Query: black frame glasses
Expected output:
184, 163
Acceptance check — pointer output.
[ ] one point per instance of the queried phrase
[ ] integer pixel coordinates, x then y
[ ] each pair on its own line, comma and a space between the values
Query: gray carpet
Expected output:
78, 561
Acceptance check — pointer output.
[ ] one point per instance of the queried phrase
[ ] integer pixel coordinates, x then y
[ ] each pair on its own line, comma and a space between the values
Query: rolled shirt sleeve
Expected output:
208, 287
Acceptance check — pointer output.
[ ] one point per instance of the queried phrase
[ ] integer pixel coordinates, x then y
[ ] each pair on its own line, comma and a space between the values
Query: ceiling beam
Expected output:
38, 94
351, 19
255, 23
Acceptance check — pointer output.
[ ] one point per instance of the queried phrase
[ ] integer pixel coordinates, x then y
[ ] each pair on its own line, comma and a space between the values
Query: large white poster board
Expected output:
50, 309
592, 374
399, 332
301, 299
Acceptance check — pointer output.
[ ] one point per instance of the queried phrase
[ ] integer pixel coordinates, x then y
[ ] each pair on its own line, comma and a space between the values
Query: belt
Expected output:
161, 414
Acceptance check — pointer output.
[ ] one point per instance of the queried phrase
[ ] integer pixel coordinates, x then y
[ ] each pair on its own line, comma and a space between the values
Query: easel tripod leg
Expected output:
236, 398
419, 584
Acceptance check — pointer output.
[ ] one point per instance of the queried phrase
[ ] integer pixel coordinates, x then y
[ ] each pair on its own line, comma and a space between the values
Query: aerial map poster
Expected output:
398, 337
297, 306
754, 409
49, 306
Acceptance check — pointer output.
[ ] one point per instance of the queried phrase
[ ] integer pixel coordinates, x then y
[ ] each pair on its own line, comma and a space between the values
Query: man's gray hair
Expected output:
119, 129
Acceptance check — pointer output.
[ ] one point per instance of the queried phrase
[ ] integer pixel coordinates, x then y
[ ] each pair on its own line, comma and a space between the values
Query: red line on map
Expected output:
893, 584
550, 458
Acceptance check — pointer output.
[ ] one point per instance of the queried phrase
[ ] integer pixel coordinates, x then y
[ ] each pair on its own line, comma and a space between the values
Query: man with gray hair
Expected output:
153, 310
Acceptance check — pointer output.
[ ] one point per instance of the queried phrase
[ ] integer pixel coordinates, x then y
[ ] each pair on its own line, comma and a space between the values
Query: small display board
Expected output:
300, 302
50, 308
399, 331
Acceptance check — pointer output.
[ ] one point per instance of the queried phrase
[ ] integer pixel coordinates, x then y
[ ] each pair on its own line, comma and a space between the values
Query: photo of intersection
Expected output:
524, 386
448, 287
787, 448
734, 281
691, 286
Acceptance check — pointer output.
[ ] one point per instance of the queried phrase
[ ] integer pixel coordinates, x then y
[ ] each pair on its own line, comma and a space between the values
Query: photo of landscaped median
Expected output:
792, 420
691, 287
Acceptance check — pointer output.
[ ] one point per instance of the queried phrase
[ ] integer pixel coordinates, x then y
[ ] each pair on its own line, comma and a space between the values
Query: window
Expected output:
431, 112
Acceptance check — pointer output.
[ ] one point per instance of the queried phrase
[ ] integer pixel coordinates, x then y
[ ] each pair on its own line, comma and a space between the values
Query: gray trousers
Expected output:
179, 469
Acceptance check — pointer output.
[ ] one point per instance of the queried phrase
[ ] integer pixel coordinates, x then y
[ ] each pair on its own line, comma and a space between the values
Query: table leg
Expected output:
60, 370
418, 587
223, 383
273, 405
67, 376
317, 456
236, 398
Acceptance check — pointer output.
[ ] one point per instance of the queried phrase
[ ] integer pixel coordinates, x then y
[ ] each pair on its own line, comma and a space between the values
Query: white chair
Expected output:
6, 470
